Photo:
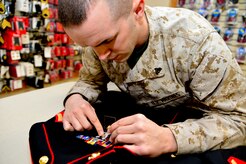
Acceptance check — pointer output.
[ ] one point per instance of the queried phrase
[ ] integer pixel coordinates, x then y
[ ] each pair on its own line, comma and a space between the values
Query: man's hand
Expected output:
80, 115
143, 136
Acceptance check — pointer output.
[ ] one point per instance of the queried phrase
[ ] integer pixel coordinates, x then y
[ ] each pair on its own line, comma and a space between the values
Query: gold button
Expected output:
94, 155
173, 156
43, 160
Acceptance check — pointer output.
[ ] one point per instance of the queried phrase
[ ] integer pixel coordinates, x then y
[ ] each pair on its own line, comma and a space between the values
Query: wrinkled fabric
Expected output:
185, 60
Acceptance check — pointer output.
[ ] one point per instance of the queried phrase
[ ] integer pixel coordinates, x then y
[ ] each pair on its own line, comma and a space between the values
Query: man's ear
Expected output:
138, 8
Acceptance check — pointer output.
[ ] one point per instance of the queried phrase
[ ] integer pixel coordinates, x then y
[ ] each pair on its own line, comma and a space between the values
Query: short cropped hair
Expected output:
74, 12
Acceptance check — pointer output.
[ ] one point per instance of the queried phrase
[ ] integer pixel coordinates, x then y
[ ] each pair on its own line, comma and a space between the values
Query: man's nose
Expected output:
103, 52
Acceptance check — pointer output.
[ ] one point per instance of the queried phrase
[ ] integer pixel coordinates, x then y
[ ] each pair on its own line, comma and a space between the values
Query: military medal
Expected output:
98, 140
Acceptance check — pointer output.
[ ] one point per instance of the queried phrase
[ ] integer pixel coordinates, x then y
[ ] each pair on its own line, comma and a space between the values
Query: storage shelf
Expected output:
29, 88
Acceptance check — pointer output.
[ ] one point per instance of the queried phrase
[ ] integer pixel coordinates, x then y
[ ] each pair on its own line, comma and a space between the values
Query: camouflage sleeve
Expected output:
218, 82
93, 80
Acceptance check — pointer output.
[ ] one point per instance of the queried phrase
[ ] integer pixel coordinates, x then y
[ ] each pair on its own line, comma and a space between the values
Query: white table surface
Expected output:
19, 112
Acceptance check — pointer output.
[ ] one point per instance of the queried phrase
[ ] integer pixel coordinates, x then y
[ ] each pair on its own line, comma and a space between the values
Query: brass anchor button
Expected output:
43, 160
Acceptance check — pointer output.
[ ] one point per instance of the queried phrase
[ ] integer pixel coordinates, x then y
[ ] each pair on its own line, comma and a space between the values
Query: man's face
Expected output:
110, 39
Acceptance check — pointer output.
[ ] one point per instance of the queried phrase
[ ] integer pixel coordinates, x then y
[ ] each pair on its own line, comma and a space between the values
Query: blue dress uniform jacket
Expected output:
185, 59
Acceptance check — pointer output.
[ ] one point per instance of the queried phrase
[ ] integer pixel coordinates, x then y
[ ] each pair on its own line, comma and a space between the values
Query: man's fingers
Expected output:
122, 131
83, 122
125, 121
77, 124
95, 122
87, 119
82, 118
67, 126
98, 127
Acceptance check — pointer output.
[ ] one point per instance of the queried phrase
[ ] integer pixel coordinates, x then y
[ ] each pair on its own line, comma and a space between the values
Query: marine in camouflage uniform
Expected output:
185, 59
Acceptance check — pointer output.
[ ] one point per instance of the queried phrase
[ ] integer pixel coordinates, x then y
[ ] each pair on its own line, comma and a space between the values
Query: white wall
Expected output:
157, 2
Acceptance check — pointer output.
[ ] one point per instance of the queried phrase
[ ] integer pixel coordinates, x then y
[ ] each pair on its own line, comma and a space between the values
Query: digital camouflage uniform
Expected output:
185, 59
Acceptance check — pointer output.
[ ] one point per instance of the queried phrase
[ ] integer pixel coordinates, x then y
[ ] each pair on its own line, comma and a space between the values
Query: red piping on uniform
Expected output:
48, 143
78, 159
102, 155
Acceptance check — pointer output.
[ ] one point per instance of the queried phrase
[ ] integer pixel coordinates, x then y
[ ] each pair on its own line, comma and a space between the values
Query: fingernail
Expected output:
101, 133
108, 128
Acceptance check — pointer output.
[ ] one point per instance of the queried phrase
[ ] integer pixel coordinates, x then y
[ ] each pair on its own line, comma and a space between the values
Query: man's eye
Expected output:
108, 41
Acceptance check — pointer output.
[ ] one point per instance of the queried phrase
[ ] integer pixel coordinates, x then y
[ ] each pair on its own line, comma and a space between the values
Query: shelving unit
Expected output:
224, 17
35, 52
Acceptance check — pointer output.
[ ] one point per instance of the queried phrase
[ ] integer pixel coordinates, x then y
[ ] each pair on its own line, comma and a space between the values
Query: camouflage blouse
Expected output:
185, 59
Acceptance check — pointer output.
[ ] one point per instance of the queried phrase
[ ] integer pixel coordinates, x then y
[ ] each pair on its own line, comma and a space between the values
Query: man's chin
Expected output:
119, 60
113, 60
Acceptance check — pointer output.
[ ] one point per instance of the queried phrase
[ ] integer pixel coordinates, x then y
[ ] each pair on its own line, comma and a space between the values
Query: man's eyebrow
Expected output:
106, 40
101, 43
